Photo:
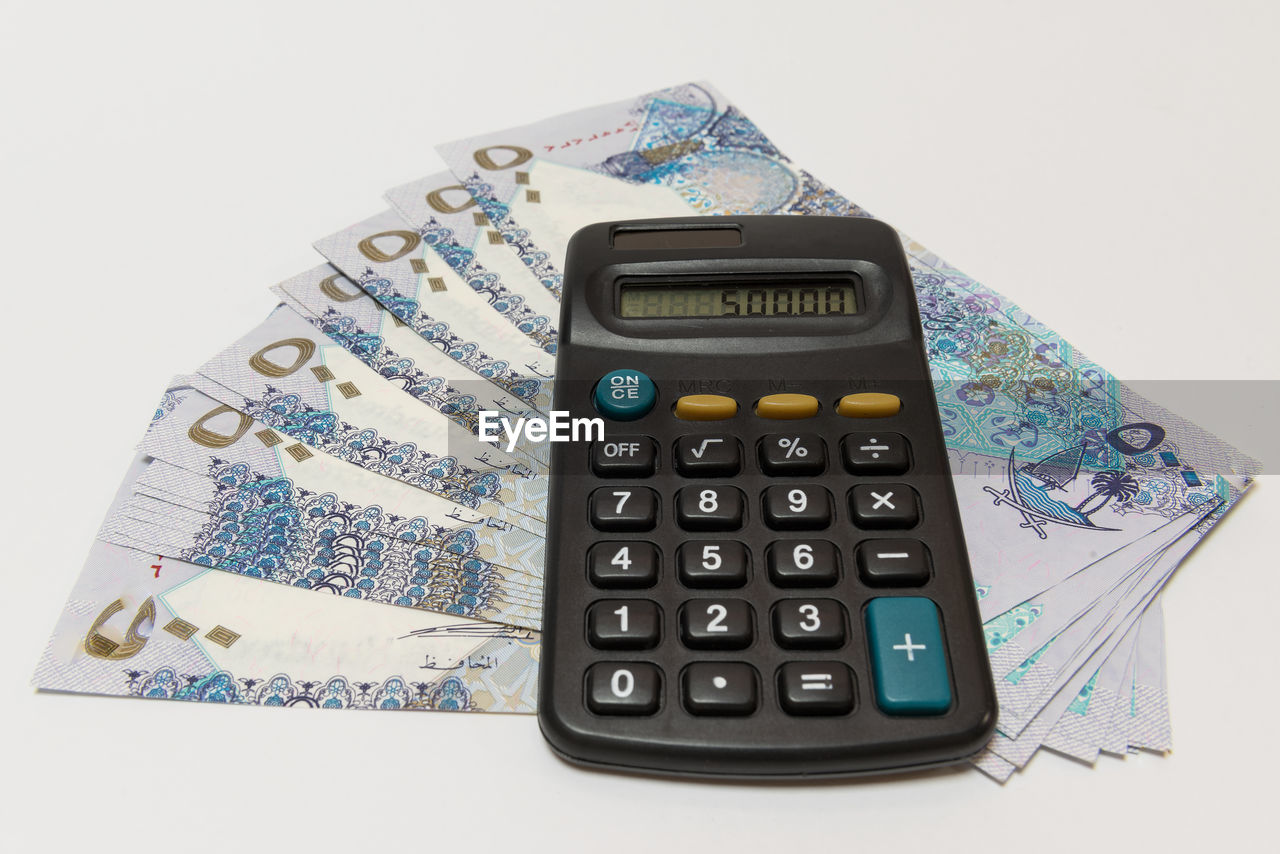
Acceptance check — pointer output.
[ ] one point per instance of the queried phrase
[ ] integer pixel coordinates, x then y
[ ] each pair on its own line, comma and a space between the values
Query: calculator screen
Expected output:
722, 299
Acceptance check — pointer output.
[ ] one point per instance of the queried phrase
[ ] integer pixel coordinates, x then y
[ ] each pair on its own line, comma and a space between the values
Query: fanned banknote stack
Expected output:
334, 449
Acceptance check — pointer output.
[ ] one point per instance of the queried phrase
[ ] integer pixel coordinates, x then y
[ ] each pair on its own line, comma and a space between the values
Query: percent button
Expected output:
789, 454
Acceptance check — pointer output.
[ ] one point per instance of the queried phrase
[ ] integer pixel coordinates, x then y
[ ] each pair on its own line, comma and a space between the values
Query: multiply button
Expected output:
908, 662
875, 453
624, 456
708, 456
632, 508
793, 454
623, 688
892, 563
815, 688
884, 505
625, 395
719, 688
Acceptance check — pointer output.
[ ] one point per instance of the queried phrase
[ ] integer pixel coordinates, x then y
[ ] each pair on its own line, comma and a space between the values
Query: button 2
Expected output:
630, 508
908, 663
625, 395
623, 688
716, 624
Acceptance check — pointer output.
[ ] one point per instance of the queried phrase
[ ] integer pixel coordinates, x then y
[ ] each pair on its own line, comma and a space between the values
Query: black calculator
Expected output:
758, 569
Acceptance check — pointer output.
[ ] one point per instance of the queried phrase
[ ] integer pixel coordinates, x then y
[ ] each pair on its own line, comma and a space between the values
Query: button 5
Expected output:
625, 395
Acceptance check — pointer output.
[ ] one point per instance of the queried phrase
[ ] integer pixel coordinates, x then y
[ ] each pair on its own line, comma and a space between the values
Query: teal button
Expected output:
625, 395
908, 662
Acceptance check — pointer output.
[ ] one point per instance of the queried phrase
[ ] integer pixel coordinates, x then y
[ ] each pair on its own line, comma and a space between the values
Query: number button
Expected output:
803, 563
892, 563
875, 453
631, 508
720, 688
797, 507
624, 456
793, 454
708, 456
884, 505
808, 624
716, 624
708, 563
815, 688
709, 508
623, 688
623, 624
619, 564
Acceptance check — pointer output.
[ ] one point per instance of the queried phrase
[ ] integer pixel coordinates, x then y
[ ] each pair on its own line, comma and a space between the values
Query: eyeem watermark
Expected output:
558, 428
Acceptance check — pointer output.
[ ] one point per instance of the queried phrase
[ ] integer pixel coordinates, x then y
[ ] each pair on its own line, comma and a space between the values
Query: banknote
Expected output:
334, 305
1084, 726
278, 511
301, 383
446, 312
1054, 450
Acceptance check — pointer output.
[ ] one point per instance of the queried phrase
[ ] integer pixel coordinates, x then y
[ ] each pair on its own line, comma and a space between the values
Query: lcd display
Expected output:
722, 299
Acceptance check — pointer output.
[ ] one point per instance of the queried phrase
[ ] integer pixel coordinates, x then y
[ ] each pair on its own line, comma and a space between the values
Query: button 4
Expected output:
623, 564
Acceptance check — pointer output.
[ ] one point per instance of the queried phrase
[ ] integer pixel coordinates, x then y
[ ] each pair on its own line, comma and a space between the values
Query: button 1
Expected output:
875, 453
631, 508
815, 688
803, 563
892, 563
625, 395
623, 564
793, 454
712, 563
624, 456
794, 508
869, 404
623, 624
716, 624
623, 688
908, 663
884, 505
808, 624
787, 406
719, 688
709, 508
708, 456
706, 407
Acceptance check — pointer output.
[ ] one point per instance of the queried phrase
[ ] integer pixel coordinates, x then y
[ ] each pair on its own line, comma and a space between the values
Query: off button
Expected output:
625, 395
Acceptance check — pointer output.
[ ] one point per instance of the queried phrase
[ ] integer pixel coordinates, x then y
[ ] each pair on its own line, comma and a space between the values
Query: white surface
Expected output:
1110, 166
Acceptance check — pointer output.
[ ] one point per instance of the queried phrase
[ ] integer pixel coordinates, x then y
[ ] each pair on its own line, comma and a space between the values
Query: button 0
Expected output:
815, 688
624, 456
624, 688
869, 404
719, 688
875, 453
631, 508
625, 395
784, 407
715, 455
908, 662
706, 407
884, 505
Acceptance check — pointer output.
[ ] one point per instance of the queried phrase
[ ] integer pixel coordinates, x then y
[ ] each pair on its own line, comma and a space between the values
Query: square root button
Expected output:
908, 661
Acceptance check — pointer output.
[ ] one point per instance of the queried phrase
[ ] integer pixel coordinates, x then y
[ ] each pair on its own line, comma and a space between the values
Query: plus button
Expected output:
909, 647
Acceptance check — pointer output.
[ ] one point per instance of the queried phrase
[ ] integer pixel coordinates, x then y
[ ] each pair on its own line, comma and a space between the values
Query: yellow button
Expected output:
706, 407
787, 406
868, 404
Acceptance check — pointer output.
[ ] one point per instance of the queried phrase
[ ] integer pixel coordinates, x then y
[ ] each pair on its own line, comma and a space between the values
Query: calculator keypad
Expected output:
908, 672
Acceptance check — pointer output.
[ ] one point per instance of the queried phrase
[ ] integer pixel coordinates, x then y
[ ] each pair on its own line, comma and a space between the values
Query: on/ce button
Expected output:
625, 395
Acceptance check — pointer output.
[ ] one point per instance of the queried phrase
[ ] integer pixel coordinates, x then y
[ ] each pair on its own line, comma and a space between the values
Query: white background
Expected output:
1111, 166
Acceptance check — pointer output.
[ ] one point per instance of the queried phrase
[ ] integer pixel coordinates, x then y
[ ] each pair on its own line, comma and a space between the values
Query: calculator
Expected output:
757, 569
